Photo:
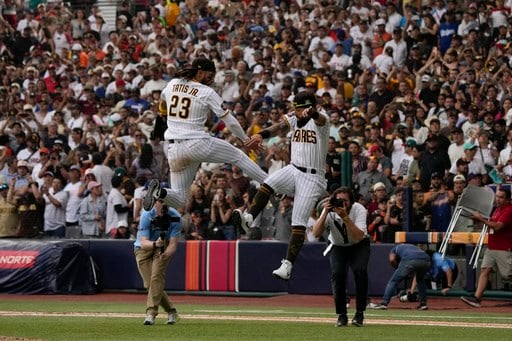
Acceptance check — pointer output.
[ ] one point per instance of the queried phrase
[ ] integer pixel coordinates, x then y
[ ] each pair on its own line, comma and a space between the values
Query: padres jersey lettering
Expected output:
304, 136
188, 106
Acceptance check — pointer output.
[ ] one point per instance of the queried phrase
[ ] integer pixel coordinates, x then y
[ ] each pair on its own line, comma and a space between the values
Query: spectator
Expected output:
475, 165
237, 181
438, 198
93, 211
399, 48
456, 148
393, 218
283, 220
385, 164
197, 229
102, 173
344, 136
367, 179
55, 210
121, 231
22, 177
359, 160
499, 245
432, 160
475, 179
73, 204
434, 125
220, 216
198, 201
138, 196
8, 211
380, 37
117, 206
143, 164
332, 164
376, 219
422, 213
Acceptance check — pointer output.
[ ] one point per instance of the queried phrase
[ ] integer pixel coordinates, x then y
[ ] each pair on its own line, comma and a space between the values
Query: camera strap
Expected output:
342, 229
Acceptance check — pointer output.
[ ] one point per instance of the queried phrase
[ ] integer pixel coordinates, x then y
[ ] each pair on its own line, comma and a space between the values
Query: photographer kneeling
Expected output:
157, 240
349, 246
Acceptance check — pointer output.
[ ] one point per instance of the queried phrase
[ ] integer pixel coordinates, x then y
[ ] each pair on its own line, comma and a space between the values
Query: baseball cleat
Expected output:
152, 194
242, 220
284, 272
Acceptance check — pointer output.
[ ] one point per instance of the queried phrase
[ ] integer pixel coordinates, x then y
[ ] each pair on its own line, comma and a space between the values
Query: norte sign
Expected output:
10, 259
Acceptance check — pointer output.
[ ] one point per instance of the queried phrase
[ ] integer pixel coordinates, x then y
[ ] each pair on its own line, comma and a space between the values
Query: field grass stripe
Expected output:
265, 318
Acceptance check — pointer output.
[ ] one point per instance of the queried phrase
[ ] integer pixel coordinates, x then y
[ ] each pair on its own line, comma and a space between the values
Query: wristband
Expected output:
264, 134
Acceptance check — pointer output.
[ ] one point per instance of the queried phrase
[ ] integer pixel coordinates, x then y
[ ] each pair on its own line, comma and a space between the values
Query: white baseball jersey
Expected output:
308, 151
309, 143
188, 105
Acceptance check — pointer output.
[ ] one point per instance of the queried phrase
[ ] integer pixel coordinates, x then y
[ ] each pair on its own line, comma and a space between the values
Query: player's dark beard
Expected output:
301, 122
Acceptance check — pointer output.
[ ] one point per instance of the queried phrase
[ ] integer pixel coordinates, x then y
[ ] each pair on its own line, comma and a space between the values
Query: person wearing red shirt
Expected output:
51, 79
499, 245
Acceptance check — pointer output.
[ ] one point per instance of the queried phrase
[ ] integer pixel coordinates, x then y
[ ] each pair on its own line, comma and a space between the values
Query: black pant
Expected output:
357, 257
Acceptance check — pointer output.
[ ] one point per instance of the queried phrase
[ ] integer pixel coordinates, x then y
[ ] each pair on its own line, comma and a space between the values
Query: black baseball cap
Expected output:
304, 100
436, 175
203, 64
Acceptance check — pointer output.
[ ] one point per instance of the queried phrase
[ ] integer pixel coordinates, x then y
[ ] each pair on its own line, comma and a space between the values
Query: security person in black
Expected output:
349, 246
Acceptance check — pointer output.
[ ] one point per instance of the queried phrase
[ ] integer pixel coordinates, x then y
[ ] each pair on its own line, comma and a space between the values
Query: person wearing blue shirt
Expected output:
157, 241
408, 260
443, 271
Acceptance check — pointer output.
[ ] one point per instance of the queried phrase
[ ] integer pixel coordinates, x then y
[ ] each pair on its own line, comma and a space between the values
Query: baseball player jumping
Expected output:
189, 99
304, 176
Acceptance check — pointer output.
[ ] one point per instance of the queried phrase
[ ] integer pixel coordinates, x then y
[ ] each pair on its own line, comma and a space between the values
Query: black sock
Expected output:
295, 243
260, 200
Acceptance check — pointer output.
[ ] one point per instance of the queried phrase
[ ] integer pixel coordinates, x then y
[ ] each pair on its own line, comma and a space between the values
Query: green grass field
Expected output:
123, 321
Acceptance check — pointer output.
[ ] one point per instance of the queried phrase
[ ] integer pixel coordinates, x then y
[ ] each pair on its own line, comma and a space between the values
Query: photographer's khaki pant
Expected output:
152, 270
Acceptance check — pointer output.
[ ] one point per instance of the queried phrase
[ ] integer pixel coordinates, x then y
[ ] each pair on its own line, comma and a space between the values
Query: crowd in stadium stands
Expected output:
418, 92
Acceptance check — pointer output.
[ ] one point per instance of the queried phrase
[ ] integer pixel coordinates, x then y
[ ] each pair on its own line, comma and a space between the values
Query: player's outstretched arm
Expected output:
234, 126
254, 142
320, 120
313, 113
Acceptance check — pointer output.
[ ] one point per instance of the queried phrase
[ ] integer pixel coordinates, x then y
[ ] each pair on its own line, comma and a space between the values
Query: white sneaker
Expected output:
172, 317
242, 220
150, 320
378, 306
284, 271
